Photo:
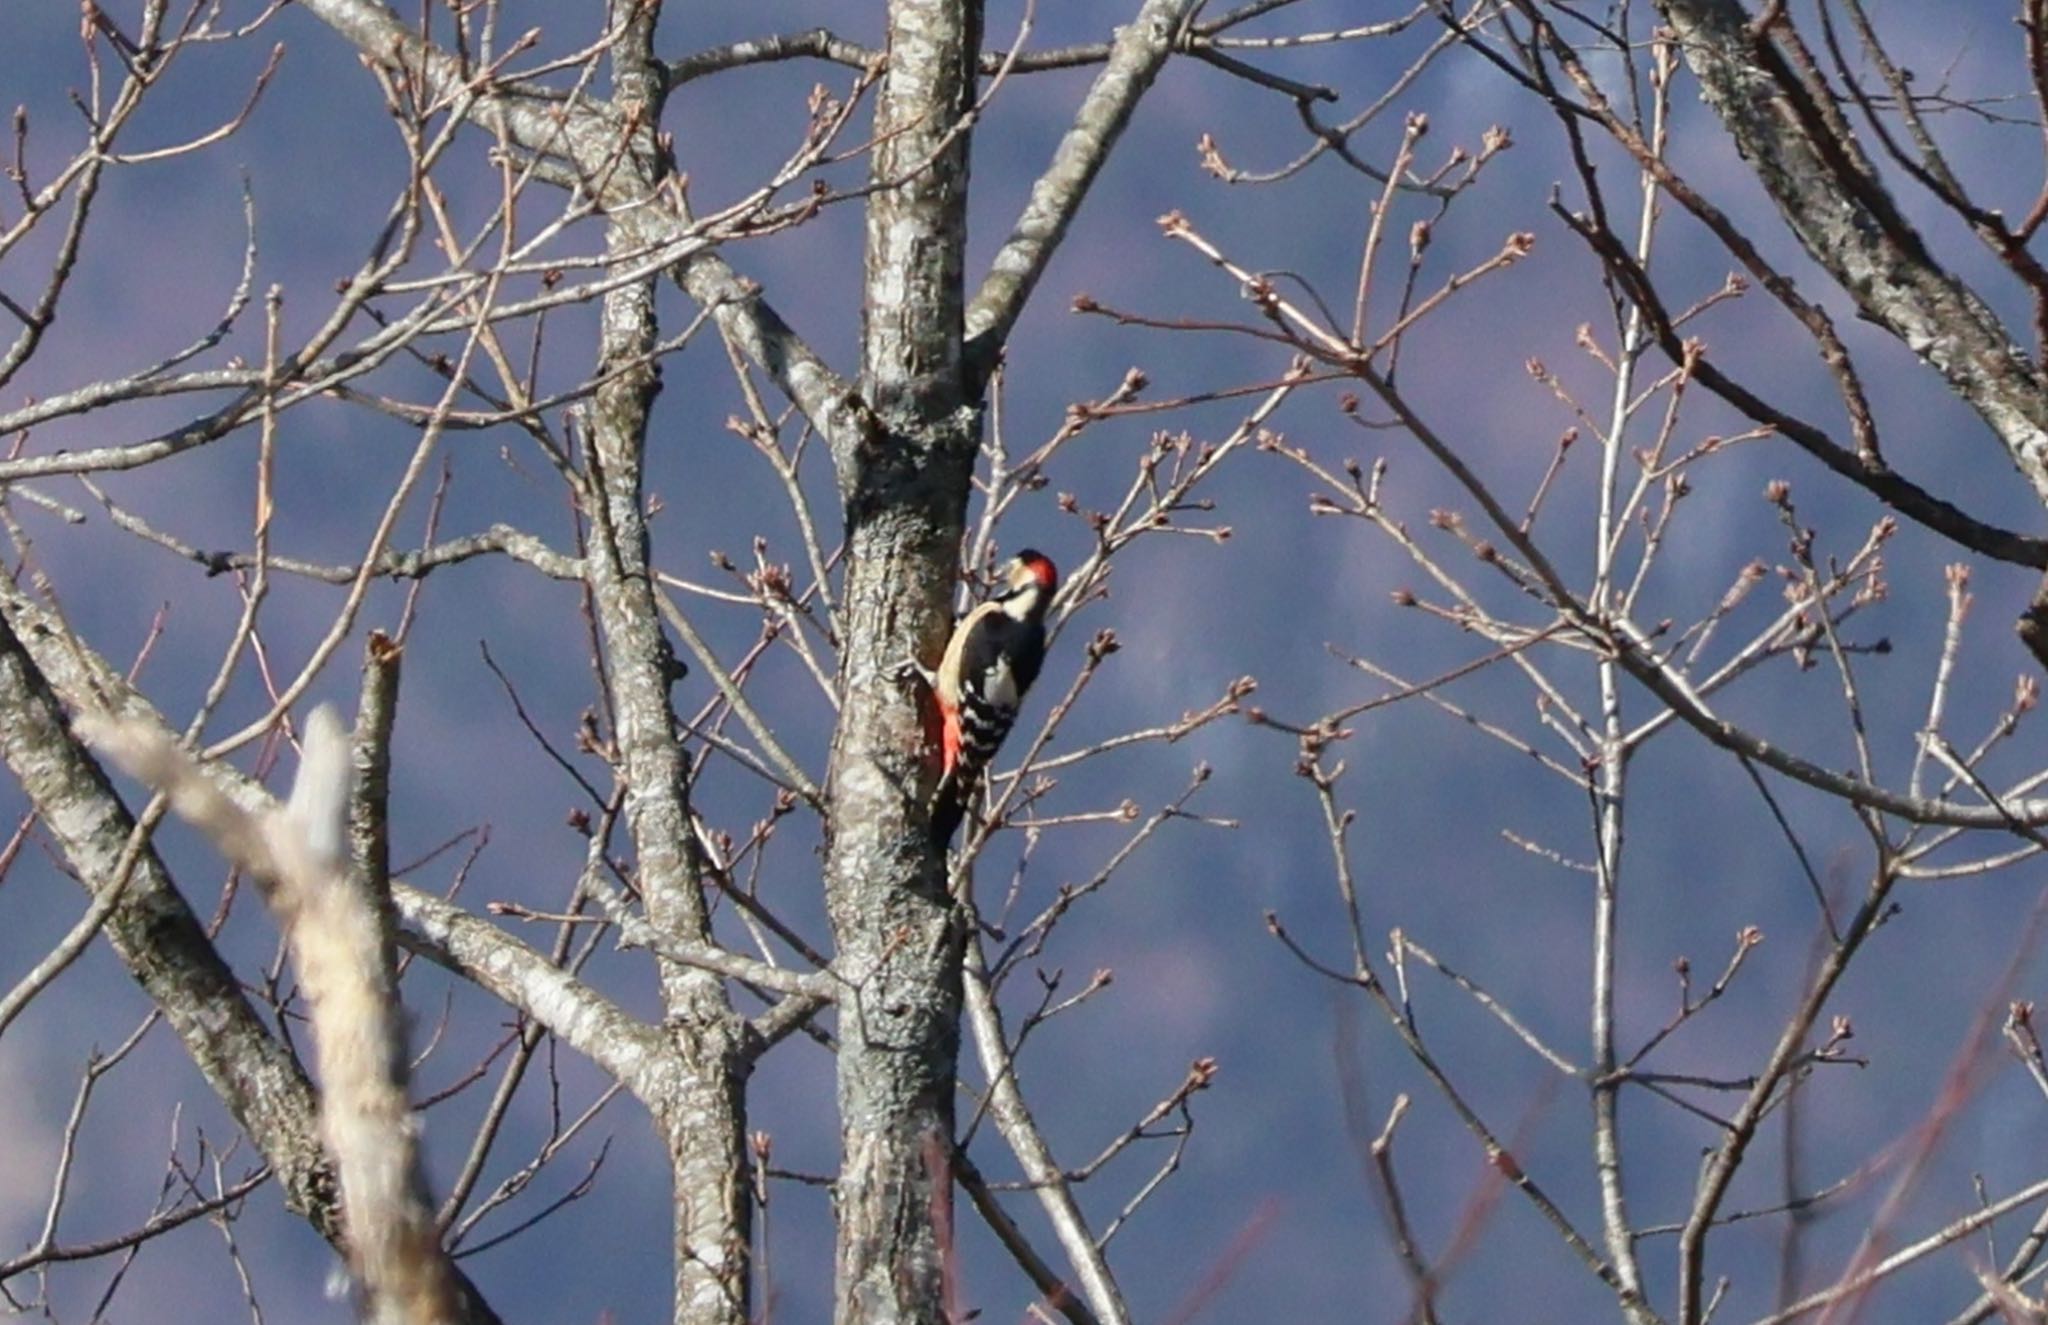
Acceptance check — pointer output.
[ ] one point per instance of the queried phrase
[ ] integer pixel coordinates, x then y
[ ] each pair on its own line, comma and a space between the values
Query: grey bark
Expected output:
903, 445
585, 136
1137, 55
701, 1108
163, 944
370, 795
899, 934
474, 948
1843, 215
700, 1105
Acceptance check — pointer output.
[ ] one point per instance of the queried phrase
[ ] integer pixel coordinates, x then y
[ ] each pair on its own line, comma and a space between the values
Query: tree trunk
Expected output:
700, 1110
898, 932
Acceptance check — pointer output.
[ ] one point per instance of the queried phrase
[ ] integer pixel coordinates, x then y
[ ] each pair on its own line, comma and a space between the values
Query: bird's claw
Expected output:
904, 671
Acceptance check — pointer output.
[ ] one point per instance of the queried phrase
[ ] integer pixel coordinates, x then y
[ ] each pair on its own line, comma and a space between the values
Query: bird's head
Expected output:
1025, 584
1030, 570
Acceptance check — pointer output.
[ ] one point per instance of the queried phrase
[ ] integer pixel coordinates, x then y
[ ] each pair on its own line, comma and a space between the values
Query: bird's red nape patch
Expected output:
1041, 566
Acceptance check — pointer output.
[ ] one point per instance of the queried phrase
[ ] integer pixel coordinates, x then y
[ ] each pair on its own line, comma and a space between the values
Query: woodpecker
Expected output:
992, 659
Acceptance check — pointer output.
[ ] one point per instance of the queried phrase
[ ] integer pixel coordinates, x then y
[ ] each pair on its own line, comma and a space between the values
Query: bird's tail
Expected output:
949, 804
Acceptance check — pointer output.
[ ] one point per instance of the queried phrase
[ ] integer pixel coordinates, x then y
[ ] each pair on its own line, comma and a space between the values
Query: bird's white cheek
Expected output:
1002, 690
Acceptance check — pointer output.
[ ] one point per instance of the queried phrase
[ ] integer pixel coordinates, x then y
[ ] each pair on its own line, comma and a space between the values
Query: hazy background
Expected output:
1271, 1216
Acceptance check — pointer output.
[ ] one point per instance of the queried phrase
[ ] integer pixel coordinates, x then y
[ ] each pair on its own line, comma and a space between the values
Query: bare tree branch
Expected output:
1848, 222
1136, 56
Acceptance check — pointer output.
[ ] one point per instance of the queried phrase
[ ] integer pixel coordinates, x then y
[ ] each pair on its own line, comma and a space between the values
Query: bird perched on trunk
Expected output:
992, 659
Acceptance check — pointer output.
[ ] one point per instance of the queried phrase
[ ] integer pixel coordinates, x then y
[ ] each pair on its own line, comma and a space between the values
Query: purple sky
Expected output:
1272, 1170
